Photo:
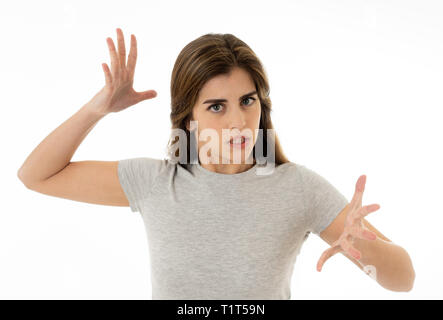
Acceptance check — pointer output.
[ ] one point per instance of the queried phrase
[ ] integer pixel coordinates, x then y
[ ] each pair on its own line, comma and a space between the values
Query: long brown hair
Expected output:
200, 60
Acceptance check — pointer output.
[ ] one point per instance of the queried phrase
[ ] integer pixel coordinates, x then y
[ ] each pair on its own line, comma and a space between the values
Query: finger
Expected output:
326, 255
132, 58
364, 211
107, 72
121, 49
364, 234
114, 59
350, 249
358, 194
146, 95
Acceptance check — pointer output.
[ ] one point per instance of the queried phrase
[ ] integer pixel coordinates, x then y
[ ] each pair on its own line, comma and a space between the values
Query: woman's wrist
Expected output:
93, 111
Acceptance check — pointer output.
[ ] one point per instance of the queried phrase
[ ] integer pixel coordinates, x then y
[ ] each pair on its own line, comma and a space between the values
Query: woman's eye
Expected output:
249, 98
215, 105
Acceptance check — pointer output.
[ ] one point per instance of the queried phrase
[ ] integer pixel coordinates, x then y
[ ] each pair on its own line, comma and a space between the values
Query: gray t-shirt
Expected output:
226, 236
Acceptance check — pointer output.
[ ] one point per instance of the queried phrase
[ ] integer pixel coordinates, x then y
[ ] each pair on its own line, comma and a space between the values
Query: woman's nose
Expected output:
236, 119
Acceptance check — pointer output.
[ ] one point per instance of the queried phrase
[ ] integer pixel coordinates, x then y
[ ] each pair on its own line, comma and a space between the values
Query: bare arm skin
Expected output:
49, 170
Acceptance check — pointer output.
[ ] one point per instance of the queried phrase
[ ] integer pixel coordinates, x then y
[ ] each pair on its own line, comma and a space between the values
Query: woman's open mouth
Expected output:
239, 142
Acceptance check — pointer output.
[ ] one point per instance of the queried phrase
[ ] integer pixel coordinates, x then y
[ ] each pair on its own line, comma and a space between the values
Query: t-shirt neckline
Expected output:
250, 172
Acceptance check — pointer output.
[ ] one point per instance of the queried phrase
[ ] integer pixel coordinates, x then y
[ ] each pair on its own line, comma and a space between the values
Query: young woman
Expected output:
218, 226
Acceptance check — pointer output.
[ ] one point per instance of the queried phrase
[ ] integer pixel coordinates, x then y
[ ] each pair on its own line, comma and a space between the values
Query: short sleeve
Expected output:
323, 202
137, 176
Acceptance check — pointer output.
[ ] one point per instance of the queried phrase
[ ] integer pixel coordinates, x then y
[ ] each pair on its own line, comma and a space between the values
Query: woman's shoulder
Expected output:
145, 163
148, 168
287, 168
294, 174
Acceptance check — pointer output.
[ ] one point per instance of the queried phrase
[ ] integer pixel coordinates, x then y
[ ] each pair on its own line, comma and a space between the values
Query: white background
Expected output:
356, 88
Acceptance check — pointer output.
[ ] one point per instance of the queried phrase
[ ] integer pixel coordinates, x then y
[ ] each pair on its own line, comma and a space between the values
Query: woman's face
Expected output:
238, 113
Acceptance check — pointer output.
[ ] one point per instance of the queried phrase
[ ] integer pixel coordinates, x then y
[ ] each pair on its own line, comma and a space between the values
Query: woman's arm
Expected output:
54, 153
351, 234
384, 261
48, 168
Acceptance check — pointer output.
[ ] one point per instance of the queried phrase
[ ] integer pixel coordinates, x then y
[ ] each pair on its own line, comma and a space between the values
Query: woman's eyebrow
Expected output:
224, 100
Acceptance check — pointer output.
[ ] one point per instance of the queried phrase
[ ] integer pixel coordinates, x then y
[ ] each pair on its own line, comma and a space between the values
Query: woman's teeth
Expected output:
238, 141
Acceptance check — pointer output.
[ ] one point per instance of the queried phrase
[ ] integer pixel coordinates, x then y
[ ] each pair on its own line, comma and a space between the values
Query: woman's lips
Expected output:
240, 145
237, 138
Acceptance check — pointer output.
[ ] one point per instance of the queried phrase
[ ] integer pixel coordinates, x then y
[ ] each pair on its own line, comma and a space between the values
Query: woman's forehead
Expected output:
224, 86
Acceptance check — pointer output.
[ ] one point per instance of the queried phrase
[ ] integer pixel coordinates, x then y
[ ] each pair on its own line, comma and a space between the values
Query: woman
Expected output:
219, 226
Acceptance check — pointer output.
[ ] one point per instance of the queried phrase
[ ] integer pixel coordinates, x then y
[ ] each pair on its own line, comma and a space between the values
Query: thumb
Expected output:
144, 95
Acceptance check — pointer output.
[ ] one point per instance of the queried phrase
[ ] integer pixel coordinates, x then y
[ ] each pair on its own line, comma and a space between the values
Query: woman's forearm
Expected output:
390, 265
55, 152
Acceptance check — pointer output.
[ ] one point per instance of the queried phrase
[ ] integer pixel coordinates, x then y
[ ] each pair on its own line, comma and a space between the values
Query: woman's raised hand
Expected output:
354, 227
118, 94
